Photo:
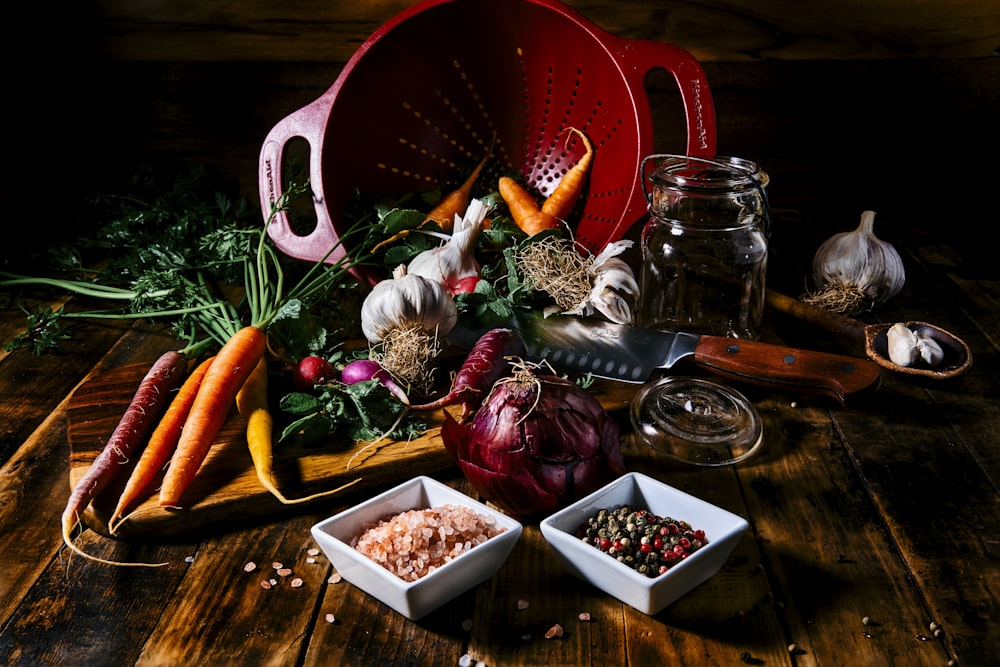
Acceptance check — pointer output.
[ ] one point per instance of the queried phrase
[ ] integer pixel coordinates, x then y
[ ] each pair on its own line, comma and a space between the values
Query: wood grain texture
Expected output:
226, 490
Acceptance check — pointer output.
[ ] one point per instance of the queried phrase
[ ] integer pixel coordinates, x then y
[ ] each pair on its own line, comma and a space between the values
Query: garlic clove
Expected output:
930, 350
903, 348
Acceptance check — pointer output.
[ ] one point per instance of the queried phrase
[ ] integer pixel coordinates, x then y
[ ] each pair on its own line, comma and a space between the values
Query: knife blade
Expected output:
632, 354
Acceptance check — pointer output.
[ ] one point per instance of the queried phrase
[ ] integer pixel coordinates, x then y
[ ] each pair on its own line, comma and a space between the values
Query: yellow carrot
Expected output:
251, 401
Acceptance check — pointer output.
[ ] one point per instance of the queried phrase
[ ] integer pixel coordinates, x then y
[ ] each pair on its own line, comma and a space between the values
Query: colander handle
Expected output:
308, 123
639, 57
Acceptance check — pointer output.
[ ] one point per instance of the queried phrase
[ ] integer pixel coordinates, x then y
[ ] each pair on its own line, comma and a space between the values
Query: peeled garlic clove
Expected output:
930, 350
903, 349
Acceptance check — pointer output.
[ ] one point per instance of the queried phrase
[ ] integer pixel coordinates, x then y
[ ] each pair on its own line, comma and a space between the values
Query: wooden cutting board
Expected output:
226, 492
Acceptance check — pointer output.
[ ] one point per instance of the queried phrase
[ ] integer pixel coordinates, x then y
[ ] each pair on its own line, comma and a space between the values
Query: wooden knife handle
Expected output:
786, 368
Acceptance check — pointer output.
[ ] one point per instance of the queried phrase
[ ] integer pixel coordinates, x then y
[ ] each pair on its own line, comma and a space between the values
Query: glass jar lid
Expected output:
696, 421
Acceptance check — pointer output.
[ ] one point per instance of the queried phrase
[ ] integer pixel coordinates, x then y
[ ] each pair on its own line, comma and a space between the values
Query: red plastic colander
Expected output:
433, 86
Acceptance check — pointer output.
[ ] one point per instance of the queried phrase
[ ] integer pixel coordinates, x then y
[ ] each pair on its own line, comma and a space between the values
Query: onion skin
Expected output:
533, 454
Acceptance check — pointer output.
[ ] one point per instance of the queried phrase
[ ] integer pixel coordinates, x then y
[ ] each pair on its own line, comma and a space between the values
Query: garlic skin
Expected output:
855, 271
454, 260
404, 301
908, 347
614, 291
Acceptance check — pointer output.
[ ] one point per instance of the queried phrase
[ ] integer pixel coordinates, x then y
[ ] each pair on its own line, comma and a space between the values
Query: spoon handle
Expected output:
833, 322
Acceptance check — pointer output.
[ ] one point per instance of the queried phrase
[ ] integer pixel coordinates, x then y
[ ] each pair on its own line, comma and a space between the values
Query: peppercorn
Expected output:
648, 543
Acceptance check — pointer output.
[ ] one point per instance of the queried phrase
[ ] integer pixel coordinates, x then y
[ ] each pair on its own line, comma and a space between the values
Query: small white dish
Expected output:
418, 598
723, 530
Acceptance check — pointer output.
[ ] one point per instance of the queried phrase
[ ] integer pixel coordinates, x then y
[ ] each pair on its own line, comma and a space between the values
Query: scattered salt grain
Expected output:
310, 560
284, 572
522, 604
250, 567
296, 582
555, 631
584, 616
313, 552
189, 559
467, 624
276, 565
265, 584
335, 578
414, 543
330, 618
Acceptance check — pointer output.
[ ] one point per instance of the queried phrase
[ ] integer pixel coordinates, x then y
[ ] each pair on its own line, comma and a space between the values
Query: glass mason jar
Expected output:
704, 247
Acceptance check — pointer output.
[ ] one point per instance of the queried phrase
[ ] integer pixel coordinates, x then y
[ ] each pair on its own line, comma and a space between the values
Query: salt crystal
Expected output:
330, 618
296, 582
313, 552
250, 567
413, 543
284, 572
522, 604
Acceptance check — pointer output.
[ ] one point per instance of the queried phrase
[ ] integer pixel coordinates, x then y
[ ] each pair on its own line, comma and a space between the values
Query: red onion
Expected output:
537, 444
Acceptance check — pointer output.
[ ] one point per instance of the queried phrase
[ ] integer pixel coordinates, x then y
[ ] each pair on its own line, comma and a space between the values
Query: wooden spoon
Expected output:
957, 356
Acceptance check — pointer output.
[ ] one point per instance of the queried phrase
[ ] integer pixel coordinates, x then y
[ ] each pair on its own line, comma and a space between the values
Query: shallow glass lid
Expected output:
697, 421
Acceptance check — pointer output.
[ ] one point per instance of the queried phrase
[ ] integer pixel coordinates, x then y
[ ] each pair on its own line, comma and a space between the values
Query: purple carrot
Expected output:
148, 403
488, 361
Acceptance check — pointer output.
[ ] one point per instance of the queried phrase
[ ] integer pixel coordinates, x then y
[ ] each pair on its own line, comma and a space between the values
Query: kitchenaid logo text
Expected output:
269, 175
699, 117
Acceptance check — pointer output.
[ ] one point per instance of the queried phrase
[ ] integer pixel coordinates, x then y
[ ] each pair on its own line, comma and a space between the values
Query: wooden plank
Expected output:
713, 31
226, 490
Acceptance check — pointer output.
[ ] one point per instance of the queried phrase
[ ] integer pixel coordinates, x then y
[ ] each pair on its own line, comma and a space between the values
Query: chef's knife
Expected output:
631, 354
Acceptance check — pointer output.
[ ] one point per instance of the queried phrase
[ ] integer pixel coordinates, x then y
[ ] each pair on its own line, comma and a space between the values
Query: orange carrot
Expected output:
560, 203
147, 404
161, 445
251, 401
524, 209
456, 201
224, 378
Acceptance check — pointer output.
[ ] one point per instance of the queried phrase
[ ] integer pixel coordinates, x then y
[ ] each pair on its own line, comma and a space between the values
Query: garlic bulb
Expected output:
614, 292
908, 347
855, 271
454, 261
406, 301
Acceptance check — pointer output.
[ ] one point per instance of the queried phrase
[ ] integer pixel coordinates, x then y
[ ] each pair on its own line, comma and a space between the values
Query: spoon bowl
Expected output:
875, 338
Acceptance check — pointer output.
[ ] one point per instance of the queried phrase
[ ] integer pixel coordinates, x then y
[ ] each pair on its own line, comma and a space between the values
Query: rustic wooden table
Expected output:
886, 509
873, 533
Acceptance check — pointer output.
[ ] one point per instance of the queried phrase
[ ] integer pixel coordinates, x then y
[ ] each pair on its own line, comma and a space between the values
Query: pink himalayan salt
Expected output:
416, 542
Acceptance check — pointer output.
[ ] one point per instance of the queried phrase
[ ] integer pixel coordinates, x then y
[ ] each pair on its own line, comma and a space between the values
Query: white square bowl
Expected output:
417, 598
723, 530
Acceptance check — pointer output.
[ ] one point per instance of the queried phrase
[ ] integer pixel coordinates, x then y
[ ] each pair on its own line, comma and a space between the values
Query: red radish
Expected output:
462, 285
361, 370
488, 361
148, 403
312, 371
